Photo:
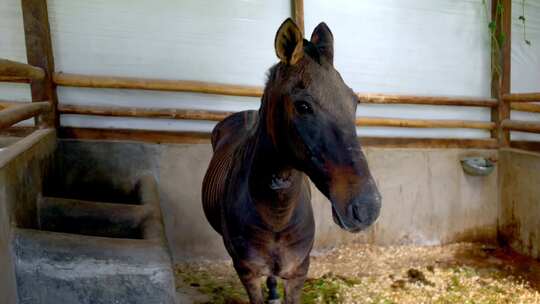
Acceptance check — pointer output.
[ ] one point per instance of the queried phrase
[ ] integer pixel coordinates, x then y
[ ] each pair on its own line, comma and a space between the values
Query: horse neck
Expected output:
274, 185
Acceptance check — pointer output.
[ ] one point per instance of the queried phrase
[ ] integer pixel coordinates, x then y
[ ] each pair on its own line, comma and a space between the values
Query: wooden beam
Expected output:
15, 114
14, 79
523, 97
422, 123
74, 80
40, 54
111, 82
426, 100
523, 126
501, 16
298, 13
526, 145
204, 138
409, 142
9, 104
6, 104
17, 131
506, 28
25, 144
144, 112
150, 136
525, 107
12, 71
218, 116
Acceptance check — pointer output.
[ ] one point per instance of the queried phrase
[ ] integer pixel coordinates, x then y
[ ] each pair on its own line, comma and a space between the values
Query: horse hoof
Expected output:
276, 301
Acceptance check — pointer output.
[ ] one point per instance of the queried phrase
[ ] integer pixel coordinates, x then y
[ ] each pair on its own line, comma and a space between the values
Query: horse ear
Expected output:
289, 42
323, 39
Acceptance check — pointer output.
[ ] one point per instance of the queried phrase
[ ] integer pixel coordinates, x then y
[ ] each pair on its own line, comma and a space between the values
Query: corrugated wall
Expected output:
421, 47
525, 58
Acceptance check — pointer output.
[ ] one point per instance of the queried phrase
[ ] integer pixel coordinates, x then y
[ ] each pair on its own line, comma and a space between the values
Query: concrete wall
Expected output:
22, 169
8, 293
427, 199
520, 201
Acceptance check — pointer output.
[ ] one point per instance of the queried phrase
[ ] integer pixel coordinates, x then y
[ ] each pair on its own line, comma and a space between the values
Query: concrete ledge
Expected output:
92, 218
64, 268
23, 163
23, 145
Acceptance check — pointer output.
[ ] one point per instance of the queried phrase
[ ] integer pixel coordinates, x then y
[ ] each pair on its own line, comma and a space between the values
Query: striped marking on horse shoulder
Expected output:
214, 184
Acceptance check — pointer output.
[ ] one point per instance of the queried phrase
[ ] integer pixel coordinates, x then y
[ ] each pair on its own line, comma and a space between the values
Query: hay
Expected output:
458, 273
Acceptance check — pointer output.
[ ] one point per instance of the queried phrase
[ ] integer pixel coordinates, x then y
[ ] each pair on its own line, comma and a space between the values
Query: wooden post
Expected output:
298, 13
501, 16
39, 53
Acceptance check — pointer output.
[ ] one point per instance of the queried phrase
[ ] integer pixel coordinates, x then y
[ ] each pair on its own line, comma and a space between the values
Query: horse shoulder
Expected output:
233, 129
227, 136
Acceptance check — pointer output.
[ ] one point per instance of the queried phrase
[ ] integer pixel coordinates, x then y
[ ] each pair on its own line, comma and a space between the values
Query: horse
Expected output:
256, 191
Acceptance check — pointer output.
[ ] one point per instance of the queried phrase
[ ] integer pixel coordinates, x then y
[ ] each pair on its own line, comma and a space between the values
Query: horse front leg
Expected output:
293, 290
252, 284
294, 284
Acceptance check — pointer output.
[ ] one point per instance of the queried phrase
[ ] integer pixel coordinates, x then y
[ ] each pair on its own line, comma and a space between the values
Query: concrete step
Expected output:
54, 267
93, 218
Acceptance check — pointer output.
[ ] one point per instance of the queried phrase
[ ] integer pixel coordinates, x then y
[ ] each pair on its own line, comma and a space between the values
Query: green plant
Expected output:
497, 37
524, 20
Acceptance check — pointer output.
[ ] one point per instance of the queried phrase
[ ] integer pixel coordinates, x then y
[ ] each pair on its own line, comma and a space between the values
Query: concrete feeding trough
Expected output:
477, 166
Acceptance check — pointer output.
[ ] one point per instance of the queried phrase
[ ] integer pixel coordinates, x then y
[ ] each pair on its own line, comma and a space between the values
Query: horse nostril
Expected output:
366, 211
361, 213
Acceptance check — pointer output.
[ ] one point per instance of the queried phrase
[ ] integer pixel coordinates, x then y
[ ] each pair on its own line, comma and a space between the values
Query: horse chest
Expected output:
270, 253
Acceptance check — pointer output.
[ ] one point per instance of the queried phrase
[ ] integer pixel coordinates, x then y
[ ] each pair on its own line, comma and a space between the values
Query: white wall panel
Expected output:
526, 58
12, 46
218, 41
222, 41
420, 47
424, 47
525, 75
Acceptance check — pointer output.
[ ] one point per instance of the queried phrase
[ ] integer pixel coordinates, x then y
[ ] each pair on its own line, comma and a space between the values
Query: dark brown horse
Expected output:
256, 192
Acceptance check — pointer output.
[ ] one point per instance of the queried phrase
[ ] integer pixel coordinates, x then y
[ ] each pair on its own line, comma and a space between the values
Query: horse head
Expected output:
309, 114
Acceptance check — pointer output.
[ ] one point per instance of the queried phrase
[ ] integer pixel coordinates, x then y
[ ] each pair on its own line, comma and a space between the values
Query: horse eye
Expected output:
302, 107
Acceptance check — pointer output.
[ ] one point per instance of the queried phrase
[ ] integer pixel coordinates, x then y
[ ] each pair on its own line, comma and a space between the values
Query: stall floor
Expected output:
359, 273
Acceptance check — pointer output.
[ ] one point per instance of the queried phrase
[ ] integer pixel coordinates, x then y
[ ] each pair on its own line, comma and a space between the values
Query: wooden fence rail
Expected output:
523, 126
14, 114
143, 112
522, 97
427, 100
423, 123
110, 82
154, 136
220, 115
6, 104
12, 71
525, 107
84, 81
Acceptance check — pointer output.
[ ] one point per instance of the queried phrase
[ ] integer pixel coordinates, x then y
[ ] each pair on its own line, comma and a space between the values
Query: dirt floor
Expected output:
458, 273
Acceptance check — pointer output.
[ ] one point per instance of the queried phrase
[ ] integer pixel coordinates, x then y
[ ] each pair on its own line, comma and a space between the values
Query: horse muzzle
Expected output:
359, 214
